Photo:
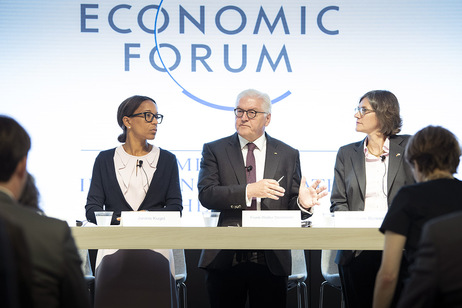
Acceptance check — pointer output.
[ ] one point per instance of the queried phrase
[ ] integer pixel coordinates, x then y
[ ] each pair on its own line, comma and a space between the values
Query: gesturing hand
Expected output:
308, 196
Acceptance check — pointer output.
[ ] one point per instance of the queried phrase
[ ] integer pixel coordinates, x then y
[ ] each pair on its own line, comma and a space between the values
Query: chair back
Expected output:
180, 265
329, 268
299, 272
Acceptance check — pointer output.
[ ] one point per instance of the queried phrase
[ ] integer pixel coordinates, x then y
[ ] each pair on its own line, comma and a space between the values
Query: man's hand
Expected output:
308, 196
265, 189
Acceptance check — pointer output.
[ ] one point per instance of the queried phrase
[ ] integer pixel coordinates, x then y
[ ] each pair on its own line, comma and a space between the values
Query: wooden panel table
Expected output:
227, 238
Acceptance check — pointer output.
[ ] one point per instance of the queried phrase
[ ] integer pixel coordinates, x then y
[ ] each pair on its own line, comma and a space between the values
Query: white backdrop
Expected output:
67, 65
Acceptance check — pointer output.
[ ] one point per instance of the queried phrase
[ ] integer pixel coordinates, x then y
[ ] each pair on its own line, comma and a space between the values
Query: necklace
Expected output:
376, 155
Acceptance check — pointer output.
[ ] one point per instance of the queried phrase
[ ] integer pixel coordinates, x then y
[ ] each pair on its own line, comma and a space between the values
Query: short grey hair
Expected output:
256, 94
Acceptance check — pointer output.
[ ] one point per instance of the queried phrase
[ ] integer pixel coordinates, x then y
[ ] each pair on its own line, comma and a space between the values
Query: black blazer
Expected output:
57, 278
163, 193
222, 184
349, 187
435, 279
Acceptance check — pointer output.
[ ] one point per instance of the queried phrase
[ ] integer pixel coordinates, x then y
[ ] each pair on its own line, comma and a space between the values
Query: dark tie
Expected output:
252, 173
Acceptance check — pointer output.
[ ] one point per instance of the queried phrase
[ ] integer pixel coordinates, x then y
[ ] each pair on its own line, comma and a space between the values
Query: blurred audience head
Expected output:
14, 146
30, 196
433, 149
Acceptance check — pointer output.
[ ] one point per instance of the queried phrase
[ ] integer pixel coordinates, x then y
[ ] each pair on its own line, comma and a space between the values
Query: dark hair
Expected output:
386, 107
127, 108
434, 147
30, 195
14, 146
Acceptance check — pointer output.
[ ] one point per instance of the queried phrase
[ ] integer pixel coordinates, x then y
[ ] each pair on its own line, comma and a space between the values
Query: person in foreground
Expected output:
136, 176
435, 279
434, 155
241, 172
367, 175
55, 277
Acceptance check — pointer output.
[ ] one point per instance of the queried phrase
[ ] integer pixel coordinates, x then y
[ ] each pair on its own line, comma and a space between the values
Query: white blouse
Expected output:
135, 173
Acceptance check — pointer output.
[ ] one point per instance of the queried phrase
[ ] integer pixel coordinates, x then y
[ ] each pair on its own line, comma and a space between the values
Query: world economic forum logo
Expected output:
229, 44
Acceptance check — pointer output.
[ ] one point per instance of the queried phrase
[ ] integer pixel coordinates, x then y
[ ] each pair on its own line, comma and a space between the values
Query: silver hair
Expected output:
256, 94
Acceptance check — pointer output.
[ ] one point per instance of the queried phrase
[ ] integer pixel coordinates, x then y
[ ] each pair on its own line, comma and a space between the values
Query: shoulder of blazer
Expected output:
276, 143
354, 146
400, 139
233, 139
107, 154
164, 154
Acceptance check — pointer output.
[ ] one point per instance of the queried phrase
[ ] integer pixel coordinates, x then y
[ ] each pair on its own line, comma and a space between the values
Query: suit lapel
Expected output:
271, 159
359, 167
233, 150
395, 159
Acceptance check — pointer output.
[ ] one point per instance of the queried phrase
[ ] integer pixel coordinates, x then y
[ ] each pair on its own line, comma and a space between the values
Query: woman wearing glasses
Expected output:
136, 176
367, 176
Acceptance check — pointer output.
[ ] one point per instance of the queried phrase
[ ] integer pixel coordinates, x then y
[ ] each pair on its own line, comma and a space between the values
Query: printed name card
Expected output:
358, 219
150, 219
271, 219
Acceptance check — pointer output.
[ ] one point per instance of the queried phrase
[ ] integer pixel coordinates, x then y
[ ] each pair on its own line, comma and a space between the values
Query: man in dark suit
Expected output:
226, 185
436, 276
56, 277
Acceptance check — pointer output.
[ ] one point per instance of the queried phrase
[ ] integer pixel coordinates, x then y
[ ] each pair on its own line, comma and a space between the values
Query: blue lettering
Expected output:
218, 20
265, 54
321, 15
143, 26
199, 25
177, 57
243, 63
281, 16
111, 18
128, 55
187, 163
84, 17
195, 57
303, 20
191, 187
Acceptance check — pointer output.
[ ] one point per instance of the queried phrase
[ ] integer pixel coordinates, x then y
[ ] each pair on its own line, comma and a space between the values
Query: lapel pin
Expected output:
399, 154
275, 153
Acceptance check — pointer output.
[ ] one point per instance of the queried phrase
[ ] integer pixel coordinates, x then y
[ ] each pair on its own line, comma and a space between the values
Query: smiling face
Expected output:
252, 129
138, 127
368, 123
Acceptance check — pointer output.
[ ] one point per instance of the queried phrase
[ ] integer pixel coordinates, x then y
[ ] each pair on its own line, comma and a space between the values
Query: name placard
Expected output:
271, 219
150, 219
358, 219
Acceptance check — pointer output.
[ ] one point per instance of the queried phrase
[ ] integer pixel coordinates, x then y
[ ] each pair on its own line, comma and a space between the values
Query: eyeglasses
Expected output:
149, 116
363, 111
250, 113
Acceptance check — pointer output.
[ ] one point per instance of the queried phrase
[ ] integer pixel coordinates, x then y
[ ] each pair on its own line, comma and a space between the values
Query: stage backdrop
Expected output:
67, 65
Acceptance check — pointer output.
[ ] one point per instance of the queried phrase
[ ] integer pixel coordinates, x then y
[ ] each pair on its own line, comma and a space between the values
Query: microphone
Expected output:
382, 157
249, 168
140, 163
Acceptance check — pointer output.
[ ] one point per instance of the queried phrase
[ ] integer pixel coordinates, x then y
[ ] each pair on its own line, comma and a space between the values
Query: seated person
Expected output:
136, 176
